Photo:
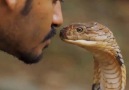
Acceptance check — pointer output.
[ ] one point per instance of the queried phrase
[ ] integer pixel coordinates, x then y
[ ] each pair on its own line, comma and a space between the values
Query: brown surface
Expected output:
64, 66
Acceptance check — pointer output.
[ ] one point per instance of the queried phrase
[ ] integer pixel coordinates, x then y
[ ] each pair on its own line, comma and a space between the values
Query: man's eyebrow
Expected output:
27, 8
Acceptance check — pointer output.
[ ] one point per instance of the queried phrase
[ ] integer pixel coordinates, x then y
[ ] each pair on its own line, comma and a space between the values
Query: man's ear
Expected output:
11, 4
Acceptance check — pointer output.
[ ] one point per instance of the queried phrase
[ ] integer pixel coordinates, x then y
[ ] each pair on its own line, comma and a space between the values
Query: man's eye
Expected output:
54, 1
62, 0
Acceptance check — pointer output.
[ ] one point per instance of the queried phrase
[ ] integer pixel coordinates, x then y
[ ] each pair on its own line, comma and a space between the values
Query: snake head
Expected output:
87, 34
92, 31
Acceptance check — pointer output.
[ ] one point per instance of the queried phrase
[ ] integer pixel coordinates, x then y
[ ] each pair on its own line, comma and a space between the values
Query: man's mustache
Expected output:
50, 34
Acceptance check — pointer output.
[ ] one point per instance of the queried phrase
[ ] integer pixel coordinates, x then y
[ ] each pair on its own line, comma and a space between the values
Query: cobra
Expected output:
109, 67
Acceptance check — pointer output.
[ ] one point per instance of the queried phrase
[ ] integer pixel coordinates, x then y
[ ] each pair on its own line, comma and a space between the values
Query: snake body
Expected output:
109, 67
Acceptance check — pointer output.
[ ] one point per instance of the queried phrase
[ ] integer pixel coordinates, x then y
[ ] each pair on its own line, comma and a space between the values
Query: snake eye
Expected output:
80, 29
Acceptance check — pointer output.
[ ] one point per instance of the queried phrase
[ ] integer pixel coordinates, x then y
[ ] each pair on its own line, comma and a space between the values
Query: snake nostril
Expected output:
63, 33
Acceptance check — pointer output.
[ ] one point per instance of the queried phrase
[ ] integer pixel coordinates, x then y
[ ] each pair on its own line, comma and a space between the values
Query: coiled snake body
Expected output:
109, 68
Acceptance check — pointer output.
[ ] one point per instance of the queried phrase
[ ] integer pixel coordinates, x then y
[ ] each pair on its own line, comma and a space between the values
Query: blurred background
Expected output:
64, 66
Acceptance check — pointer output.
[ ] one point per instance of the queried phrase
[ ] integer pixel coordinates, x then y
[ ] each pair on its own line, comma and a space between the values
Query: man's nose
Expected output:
57, 16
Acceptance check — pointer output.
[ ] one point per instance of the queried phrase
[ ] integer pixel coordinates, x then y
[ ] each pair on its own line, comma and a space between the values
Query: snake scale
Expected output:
109, 67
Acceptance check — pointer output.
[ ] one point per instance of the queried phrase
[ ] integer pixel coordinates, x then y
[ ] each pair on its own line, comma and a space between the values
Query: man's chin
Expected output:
29, 58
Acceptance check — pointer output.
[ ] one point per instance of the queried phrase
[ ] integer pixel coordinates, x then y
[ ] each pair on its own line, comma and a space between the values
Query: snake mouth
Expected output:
64, 37
80, 42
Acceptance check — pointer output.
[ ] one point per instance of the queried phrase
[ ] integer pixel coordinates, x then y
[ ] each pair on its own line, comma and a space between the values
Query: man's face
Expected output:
26, 29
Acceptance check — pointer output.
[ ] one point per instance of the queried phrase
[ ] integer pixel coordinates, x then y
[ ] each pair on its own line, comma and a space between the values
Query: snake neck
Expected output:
108, 74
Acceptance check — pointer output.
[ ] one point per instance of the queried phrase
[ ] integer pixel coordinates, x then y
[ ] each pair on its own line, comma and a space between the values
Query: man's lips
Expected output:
47, 44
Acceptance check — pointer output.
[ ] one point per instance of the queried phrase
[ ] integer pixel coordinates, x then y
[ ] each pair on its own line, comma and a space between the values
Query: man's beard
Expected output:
29, 58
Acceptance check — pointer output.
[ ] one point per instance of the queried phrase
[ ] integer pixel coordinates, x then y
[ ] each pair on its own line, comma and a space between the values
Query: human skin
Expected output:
26, 27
